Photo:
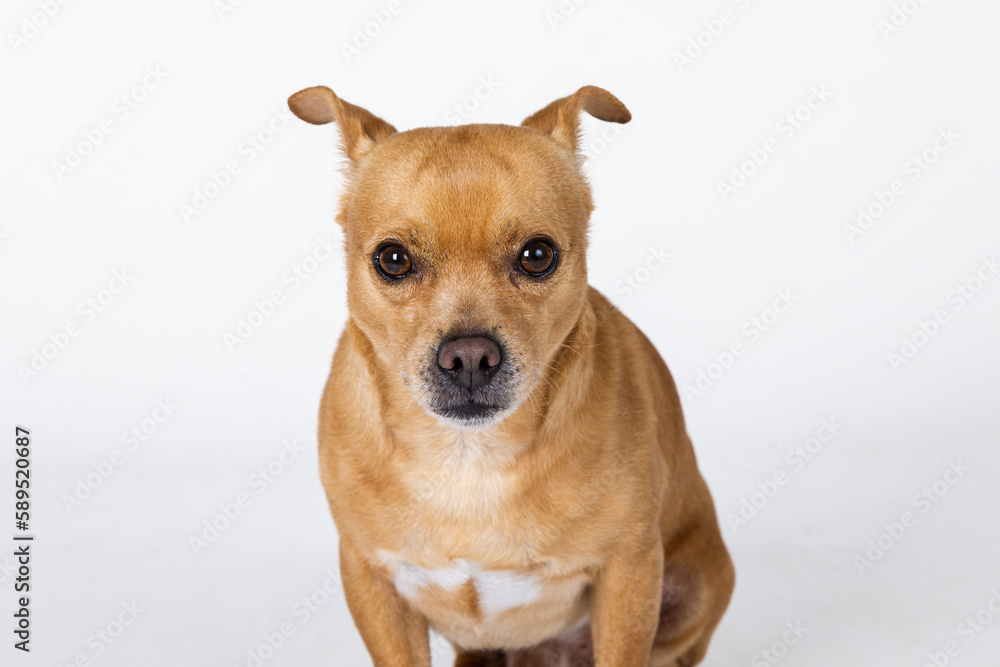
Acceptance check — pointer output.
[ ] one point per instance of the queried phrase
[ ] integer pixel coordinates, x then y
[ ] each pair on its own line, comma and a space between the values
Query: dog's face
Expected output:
466, 249
467, 233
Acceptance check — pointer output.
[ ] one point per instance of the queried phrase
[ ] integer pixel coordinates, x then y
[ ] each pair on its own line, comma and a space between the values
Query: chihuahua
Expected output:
503, 451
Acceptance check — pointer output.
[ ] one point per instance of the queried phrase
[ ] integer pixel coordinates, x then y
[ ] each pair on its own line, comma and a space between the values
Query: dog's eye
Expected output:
393, 261
537, 257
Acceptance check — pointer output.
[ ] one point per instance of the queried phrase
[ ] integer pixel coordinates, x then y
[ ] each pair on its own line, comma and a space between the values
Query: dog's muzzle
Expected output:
470, 379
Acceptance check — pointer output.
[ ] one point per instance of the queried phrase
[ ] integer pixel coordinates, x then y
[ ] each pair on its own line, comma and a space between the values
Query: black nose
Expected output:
469, 361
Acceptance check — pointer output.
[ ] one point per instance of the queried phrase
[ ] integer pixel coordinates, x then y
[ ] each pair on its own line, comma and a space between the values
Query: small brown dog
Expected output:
503, 451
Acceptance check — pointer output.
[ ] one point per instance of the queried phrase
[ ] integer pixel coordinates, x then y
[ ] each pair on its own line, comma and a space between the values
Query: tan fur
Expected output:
584, 493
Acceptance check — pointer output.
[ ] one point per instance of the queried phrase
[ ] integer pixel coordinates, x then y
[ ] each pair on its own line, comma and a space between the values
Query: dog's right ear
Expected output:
359, 128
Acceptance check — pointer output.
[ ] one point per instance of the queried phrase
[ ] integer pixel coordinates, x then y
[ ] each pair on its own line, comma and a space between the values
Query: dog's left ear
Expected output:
359, 128
561, 119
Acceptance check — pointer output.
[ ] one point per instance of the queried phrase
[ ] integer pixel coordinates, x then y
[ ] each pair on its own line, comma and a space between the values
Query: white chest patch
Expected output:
497, 590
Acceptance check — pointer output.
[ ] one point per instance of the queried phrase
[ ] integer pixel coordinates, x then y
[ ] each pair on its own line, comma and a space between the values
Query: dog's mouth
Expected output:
468, 413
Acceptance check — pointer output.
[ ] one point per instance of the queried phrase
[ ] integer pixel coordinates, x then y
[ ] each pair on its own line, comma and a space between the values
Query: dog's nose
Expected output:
469, 361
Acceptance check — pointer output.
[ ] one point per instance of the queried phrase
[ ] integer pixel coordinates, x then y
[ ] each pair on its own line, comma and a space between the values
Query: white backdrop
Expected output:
811, 185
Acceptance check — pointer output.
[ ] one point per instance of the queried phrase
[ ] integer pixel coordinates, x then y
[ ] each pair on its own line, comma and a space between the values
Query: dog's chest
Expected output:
472, 558
463, 478
494, 591
479, 606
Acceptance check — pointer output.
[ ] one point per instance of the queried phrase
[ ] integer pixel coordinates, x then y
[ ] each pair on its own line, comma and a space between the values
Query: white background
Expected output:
225, 78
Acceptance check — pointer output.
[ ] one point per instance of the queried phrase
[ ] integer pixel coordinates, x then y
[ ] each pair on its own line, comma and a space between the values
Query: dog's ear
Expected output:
359, 128
561, 119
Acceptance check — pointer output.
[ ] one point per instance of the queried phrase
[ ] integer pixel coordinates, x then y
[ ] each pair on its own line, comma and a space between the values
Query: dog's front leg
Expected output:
395, 634
624, 609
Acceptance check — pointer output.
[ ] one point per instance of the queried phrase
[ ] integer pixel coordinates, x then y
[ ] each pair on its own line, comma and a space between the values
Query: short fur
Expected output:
571, 527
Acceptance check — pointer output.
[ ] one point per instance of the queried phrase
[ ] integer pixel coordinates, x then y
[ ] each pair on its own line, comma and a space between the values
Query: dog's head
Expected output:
466, 247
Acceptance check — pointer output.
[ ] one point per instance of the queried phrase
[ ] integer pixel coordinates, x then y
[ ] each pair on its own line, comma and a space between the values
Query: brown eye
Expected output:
537, 257
393, 261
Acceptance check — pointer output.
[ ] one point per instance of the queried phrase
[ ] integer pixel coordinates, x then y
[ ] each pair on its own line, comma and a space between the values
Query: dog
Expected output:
503, 451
